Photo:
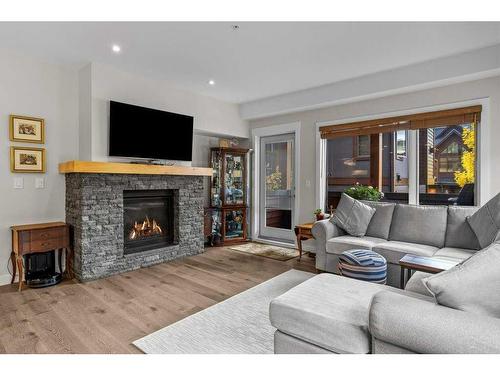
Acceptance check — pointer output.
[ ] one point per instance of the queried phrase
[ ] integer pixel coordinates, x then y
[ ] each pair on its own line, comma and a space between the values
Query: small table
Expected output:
303, 232
411, 263
39, 238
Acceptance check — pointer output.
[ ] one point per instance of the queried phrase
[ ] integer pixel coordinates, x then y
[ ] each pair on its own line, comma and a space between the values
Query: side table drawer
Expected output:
43, 240
47, 234
46, 245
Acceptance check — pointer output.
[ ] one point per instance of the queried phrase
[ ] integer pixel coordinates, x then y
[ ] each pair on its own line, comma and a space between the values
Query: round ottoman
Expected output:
363, 265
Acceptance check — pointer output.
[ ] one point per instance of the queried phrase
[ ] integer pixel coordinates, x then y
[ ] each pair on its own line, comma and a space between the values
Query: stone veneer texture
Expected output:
94, 208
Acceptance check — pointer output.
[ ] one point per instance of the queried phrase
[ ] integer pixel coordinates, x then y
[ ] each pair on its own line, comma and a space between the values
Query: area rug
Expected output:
268, 251
238, 325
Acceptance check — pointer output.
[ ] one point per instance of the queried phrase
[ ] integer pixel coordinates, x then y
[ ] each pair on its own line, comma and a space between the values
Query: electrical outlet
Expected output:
39, 183
18, 183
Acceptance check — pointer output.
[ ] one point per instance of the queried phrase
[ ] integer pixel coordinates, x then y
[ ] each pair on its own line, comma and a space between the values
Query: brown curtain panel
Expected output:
435, 119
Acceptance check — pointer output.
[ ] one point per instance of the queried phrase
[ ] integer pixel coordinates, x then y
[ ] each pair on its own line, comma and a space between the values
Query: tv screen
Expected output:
139, 132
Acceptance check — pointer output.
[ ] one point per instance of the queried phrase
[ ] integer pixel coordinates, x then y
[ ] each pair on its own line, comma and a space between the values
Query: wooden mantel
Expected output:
79, 166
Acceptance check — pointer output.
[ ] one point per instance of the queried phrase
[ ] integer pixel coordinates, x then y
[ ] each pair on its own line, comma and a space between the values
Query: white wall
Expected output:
486, 88
211, 116
33, 88
85, 113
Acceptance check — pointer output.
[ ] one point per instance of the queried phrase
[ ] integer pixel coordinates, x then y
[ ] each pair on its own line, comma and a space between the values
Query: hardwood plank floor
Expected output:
106, 315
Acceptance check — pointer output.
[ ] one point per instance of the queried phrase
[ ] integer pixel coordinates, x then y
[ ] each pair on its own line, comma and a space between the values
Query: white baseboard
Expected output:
5, 279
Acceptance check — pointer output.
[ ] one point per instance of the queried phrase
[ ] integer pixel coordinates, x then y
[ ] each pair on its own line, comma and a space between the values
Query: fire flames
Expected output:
145, 229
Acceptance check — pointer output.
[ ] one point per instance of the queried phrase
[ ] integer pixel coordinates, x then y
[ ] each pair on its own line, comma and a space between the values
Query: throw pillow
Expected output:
380, 224
353, 216
485, 223
472, 285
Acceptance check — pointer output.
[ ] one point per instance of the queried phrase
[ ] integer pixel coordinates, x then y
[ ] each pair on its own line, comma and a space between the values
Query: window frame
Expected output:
484, 189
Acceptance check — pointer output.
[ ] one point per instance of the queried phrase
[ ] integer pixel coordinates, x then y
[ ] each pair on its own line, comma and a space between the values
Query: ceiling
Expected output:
257, 60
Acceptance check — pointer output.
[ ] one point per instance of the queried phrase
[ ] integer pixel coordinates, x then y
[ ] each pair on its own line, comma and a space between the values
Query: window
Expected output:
377, 153
451, 149
345, 169
401, 144
362, 145
447, 164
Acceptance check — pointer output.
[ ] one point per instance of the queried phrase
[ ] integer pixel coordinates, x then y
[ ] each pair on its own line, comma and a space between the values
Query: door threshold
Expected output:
283, 243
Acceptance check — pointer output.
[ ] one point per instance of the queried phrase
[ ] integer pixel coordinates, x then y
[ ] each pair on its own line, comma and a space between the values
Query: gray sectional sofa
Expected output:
334, 314
399, 229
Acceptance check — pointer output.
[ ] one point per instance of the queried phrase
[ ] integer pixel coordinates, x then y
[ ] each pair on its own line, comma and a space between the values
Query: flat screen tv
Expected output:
139, 132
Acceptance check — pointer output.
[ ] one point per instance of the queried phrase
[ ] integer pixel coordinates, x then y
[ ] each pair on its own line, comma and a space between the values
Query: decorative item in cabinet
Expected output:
234, 180
234, 224
228, 191
213, 226
216, 164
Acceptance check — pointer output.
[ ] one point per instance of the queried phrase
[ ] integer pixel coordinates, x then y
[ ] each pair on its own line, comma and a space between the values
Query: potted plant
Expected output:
319, 214
367, 193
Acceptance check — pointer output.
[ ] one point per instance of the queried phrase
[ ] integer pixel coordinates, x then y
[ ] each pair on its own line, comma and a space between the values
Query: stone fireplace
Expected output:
123, 222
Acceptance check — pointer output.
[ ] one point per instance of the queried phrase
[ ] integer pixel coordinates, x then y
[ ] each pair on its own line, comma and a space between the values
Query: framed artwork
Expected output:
27, 129
27, 159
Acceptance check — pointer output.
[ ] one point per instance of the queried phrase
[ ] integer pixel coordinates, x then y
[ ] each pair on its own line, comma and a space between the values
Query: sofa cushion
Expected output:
472, 285
380, 224
454, 253
393, 251
353, 216
416, 284
458, 231
485, 222
329, 311
337, 245
419, 224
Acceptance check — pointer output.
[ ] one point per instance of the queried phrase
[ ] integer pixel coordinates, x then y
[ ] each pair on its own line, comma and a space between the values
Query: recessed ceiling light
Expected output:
211, 82
235, 27
116, 48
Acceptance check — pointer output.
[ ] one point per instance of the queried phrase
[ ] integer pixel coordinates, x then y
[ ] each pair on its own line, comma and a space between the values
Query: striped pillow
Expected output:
363, 265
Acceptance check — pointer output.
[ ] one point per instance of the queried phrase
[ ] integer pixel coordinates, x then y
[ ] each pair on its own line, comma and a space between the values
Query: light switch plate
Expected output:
39, 183
18, 183
308, 183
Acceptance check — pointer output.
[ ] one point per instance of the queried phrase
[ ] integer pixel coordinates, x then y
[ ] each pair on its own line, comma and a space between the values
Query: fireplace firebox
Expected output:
148, 220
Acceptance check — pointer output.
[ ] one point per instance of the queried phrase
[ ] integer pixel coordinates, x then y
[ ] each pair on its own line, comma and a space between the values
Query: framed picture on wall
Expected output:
27, 160
27, 129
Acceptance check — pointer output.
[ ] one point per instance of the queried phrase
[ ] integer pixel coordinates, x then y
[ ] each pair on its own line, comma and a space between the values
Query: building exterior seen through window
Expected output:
445, 157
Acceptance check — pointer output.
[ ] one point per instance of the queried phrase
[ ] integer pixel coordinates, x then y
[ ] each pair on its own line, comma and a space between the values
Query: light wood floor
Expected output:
106, 315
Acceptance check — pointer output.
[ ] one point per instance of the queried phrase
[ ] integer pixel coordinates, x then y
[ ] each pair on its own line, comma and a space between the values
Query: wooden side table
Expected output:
303, 232
39, 238
411, 263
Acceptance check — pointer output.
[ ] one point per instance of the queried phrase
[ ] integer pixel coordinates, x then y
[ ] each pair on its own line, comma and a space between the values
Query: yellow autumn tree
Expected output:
468, 161
274, 180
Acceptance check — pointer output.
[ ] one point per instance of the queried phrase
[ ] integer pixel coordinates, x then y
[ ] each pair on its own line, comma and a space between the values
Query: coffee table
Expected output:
412, 262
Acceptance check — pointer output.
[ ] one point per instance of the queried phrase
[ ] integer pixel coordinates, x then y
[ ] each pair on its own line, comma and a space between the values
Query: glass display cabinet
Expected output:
228, 194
